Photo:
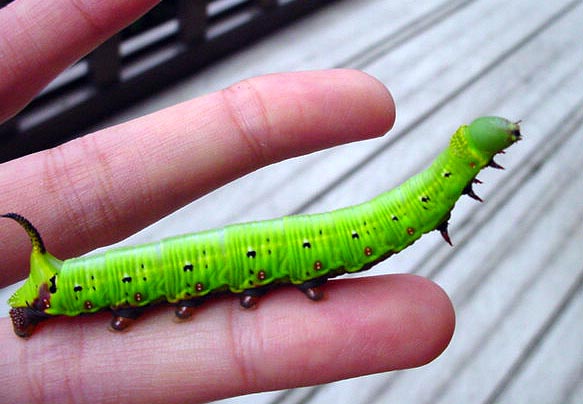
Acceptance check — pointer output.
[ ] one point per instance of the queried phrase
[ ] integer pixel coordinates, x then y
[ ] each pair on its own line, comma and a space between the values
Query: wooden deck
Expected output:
515, 275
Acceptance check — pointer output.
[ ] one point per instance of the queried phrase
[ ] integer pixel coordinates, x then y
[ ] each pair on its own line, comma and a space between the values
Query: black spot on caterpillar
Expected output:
248, 258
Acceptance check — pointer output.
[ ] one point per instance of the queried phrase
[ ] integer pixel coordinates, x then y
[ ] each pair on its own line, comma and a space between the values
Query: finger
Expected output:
364, 326
39, 39
103, 187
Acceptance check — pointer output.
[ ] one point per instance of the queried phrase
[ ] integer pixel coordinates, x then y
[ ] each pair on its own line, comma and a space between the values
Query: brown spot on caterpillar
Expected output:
88, 305
473, 164
199, 287
410, 231
367, 251
261, 275
318, 265
138, 297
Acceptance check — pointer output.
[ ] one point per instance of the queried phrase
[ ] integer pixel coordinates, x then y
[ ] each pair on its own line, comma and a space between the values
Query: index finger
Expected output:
79, 194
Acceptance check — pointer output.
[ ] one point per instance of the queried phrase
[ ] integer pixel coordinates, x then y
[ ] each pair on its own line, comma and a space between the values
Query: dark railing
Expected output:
174, 40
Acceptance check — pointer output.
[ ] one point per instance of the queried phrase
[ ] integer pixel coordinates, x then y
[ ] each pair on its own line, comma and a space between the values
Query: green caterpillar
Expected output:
247, 259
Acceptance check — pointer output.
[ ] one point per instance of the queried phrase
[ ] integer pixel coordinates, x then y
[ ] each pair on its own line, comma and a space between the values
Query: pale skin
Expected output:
103, 187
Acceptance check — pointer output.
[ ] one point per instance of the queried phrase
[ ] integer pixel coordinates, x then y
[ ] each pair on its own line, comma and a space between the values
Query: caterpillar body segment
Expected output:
249, 258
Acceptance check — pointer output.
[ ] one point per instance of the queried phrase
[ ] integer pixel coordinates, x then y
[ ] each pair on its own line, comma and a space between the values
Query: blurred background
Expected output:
515, 274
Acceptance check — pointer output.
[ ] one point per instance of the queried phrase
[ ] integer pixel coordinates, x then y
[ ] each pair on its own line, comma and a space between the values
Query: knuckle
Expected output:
250, 116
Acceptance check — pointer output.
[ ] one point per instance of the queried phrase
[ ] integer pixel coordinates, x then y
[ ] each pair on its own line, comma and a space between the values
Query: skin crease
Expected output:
79, 196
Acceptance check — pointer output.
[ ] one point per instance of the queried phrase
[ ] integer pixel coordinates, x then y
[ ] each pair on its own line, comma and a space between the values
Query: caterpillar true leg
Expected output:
442, 228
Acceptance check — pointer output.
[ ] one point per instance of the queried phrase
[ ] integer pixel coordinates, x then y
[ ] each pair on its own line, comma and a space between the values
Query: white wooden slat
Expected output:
520, 324
555, 369
576, 394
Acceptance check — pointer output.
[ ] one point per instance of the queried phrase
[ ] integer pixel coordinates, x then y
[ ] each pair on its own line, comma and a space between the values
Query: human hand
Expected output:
100, 188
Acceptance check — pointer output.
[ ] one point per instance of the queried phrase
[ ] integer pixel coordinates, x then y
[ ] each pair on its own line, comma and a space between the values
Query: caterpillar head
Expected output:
491, 134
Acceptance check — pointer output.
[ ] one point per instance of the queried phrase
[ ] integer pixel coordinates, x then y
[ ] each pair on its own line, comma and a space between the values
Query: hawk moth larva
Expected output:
248, 258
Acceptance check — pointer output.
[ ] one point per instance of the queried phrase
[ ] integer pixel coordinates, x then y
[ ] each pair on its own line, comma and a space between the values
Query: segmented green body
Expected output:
251, 256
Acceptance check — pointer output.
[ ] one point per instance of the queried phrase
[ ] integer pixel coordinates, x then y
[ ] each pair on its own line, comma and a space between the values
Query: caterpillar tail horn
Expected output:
35, 238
